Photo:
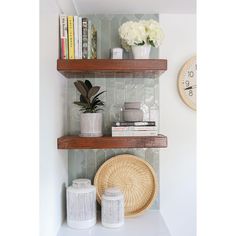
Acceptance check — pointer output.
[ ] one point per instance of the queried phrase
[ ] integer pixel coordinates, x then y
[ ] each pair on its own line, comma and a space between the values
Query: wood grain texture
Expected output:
107, 142
150, 67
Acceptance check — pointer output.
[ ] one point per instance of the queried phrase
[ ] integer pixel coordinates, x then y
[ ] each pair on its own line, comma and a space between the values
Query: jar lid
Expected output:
113, 192
81, 183
117, 49
132, 105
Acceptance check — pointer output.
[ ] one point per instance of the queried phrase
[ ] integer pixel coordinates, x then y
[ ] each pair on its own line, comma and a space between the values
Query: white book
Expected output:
80, 37
133, 128
89, 38
134, 133
76, 35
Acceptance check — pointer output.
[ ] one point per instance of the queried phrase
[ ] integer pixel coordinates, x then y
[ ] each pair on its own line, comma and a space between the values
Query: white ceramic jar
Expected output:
112, 208
116, 53
132, 111
81, 204
132, 105
132, 115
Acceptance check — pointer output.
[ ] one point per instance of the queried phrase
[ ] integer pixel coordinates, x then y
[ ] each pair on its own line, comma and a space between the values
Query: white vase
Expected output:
91, 124
141, 52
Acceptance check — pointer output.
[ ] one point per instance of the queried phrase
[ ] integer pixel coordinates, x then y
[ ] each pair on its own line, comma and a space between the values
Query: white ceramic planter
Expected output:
141, 52
91, 124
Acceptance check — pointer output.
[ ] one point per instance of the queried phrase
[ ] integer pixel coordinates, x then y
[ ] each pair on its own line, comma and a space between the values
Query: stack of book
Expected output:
140, 128
78, 38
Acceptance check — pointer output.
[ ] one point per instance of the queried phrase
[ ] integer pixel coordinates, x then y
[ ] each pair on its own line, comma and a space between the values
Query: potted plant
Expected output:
90, 119
140, 36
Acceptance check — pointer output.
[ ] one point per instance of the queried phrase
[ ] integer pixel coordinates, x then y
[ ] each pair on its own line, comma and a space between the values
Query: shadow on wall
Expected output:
63, 201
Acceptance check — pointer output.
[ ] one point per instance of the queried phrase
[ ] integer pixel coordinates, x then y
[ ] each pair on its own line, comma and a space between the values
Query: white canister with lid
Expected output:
132, 111
116, 53
112, 208
81, 204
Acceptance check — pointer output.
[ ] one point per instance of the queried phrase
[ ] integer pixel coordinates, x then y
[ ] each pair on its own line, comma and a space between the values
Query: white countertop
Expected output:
150, 223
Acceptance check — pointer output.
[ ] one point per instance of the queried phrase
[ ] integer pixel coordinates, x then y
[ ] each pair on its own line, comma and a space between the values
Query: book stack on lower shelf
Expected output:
140, 128
78, 38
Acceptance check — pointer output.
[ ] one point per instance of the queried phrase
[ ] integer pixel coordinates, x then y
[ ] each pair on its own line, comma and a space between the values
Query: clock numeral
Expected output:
190, 92
187, 83
190, 73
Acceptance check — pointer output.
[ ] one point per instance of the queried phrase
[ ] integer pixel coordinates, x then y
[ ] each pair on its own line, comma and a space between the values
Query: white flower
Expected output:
132, 33
140, 33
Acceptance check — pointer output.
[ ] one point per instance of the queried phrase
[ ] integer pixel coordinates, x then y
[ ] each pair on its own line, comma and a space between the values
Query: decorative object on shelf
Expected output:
116, 112
112, 208
133, 124
81, 204
127, 131
187, 82
91, 125
90, 120
78, 38
132, 111
116, 53
93, 43
134, 177
133, 115
140, 36
141, 52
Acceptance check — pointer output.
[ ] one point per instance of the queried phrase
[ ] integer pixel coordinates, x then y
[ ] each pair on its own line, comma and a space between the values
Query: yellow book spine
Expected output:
71, 37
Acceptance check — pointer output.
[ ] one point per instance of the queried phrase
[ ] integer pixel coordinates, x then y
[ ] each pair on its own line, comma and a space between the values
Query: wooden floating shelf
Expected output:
108, 142
124, 68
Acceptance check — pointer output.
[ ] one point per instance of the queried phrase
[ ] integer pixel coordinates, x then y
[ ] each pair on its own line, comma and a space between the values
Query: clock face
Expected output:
187, 83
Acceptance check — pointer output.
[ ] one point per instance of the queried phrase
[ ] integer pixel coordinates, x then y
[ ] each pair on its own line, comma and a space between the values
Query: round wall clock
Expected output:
187, 82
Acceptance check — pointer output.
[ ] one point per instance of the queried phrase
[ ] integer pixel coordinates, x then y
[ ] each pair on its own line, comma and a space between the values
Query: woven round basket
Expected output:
134, 177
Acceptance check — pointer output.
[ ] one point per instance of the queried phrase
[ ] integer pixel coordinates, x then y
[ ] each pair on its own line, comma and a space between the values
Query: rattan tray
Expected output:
135, 178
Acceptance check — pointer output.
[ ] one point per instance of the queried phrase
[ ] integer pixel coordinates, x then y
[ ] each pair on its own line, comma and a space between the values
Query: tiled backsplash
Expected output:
84, 163
118, 90
107, 32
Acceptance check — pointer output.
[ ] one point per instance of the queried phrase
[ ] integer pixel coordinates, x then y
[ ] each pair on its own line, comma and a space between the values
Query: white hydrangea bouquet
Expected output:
142, 33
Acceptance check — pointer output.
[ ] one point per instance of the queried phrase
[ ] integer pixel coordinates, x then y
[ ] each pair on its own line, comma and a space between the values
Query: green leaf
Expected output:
98, 102
99, 109
97, 96
81, 87
152, 43
83, 99
140, 44
88, 84
82, 104
93, 91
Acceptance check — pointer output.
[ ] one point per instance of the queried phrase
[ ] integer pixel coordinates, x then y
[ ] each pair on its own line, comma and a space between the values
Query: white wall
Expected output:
53, 163
178, 122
